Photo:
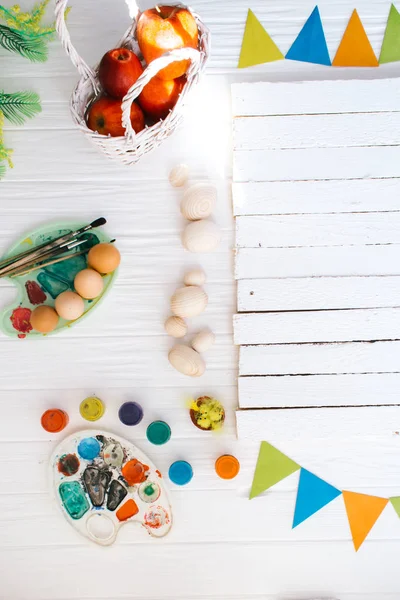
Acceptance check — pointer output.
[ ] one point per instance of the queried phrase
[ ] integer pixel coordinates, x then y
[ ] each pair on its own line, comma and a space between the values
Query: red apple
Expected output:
105, 117
166, 28
158, 97
118, 71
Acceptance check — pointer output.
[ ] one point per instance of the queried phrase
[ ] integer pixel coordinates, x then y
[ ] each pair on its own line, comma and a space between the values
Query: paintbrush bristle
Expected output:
98, 222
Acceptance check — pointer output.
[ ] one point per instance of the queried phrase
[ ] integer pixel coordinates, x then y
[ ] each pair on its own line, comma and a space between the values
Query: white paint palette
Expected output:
102, 482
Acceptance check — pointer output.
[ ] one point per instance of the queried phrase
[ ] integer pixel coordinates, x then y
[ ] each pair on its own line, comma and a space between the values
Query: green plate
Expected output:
44, 285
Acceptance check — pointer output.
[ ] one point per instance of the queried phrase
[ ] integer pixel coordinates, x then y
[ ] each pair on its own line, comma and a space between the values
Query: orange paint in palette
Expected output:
102, 482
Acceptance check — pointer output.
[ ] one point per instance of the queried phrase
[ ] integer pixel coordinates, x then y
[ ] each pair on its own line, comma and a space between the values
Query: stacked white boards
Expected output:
316, 196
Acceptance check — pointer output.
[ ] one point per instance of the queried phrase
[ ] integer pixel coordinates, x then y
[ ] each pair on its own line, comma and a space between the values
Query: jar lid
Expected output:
130, 413
158, 432
91, 409
54, 420
180, 472
227, 466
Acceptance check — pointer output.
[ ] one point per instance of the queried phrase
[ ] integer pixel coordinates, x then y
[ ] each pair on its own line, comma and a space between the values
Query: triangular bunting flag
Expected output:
395, 502
362, 512
390, 51
313, 494
310, 45
272, 466
355, 49
257, 45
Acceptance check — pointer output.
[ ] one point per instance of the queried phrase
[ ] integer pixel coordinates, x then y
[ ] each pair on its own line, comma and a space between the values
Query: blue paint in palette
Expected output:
89, 448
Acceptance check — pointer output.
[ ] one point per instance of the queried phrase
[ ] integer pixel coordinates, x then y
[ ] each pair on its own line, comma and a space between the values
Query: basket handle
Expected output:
151, 71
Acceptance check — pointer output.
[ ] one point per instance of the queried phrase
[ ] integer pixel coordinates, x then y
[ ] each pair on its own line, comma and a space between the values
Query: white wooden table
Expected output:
221, 546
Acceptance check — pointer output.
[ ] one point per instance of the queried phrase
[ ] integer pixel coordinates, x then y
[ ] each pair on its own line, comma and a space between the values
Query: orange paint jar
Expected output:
54, 420
227, 466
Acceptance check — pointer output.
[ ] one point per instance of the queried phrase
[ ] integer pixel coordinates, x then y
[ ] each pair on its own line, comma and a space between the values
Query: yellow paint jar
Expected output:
92, 409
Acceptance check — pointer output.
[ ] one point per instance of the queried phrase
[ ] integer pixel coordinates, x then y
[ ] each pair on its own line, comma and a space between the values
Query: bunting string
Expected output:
310, 45
313, 493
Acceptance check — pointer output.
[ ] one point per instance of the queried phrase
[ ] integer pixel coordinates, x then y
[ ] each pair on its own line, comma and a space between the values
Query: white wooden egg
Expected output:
195, 277
201, 236
179, 175
203, 340
176, 327
186, 360
189, 301
198, 201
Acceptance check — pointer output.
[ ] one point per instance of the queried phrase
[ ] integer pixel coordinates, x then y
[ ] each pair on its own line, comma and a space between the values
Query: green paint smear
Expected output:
74, 499
149, 490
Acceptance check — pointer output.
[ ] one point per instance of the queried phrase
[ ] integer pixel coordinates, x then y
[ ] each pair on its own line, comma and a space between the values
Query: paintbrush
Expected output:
46, 255
47, 264
31, 257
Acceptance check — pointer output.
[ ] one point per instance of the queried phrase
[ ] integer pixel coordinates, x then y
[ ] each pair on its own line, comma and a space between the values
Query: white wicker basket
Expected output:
132, 146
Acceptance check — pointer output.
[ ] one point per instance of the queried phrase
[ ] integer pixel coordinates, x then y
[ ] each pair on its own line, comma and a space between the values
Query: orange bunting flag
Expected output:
362, 512
355, 49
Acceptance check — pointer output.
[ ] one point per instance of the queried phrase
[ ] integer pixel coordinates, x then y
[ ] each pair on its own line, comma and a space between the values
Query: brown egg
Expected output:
89, 284
104, 258
69, 306
44, 319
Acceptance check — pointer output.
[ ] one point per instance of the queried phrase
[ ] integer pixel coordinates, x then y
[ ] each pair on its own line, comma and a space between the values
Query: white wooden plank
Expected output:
305, 359
275, 231
254, 263
365, 422
317, 163
317, 326
314, 97
317, 293
322, 131
290, 197
330, 562
319, 390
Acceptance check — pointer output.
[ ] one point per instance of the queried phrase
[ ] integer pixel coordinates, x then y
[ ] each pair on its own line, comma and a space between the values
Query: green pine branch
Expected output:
32, 48
19, 106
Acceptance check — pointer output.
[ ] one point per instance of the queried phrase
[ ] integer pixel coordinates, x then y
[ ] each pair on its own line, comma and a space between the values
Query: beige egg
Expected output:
179, 175
104, 258
203, 340
198, 201
88, 283
195, 277
44, 319
176, 327
201, 236
69, 306
189, 301
187, 361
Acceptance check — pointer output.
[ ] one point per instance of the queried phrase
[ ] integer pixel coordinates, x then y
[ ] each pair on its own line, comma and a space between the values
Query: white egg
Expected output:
187, 361
195, 277
179, 175
198, 201
203, 341
201, 236
189, 301
176, 327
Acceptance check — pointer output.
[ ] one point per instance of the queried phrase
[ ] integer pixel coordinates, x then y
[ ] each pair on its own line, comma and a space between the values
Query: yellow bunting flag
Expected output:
362, 512
257, 45
355, 49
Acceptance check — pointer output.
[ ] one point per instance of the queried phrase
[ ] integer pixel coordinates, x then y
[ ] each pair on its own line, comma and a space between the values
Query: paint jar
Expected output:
158, 433
91, 409
54, 420
227, 466
130, 413
180, 472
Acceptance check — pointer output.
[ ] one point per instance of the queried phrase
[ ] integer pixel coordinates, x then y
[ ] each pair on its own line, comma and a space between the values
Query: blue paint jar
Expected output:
180, 472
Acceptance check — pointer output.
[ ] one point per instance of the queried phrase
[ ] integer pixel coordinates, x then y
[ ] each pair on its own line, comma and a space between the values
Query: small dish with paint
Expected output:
102, 481
207, 413
42, 286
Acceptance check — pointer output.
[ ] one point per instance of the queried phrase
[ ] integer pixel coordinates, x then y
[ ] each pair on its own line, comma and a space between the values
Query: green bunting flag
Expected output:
272, 467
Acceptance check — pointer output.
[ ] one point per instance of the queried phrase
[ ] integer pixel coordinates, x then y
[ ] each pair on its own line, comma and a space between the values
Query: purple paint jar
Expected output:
130, 413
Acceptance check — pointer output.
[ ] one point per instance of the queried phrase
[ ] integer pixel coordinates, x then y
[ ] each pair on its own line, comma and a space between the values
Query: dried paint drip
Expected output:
35, 293
74, 500
111, 483
68, 464
96, 483
116, 494
21, 320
